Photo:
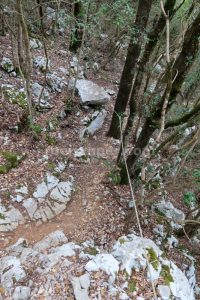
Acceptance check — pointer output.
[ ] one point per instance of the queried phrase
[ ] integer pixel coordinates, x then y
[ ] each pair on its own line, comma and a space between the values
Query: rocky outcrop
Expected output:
55, 268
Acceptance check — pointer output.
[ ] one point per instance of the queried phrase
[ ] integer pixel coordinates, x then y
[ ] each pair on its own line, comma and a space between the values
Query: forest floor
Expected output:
98, 209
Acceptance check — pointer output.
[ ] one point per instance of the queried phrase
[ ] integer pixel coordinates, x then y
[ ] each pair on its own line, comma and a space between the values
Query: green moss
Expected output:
12, 161
51, 140
16, 97
4, 169
91, 251
165, 273
132, 285
2, 217
51, 166
7, 194
122, 241
153, 259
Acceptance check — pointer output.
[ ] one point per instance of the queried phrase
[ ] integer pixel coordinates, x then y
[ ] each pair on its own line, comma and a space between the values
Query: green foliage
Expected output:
165, 273
51, 140
196, 175
122, 241
114, 175
36, 128
2, 217
15, 97
189, 198
153, 259
132, 285
91, 251
12, 161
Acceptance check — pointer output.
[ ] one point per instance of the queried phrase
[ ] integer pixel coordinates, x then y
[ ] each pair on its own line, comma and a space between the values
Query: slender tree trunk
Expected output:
77, 31
41, 14
129, 70
20, 46
2, 18
27, 68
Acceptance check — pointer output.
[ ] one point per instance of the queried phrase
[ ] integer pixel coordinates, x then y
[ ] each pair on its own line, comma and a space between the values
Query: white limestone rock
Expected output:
104, 262
23, 190
51, 240
39, 62
80, 152
90, 93
168, 209
132, 250
96, 124
35, 44
55, 82
41, 190
31, 206
62, 192
10, 218
7, 64
21, 293
180, 287
10, 270
81, 285
164, 292
37, 89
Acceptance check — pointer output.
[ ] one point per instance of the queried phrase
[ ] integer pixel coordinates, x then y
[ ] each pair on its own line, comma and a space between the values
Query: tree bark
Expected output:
77, 31
189, 47
153, 38
129, 70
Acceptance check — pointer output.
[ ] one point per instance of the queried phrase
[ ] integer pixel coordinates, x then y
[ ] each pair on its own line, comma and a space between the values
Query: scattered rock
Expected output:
35, 44
51, 240
31, 206
62, 192
55, 82
168, 209
90, 92
7, 65
21, 293
96, 124
164, 292
79, 153
10, 218
40, 63
37, 89
172, 242
110, 92
104, 262
64, 71
81, 285
41, 190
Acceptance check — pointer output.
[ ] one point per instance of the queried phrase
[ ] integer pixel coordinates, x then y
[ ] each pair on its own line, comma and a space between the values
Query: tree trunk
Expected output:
143, 140
41, 14
153, 38
190, 47
128, 73
2, 17
77, 31
27, 67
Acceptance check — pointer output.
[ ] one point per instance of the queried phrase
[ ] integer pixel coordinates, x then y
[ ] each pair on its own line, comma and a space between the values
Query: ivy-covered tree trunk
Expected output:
133, 54
27, 66
77, 31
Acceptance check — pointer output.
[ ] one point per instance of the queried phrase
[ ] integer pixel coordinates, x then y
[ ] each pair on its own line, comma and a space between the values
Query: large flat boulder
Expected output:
90, 93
